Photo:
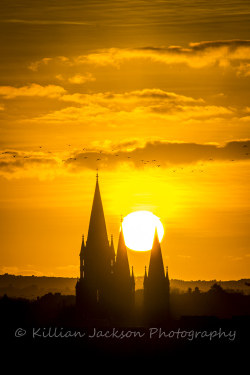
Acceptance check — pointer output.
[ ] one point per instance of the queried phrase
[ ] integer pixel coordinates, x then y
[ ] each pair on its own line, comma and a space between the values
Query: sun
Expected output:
139, 229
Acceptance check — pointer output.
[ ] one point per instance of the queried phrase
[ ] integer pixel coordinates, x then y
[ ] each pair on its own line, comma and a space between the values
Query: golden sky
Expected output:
166, 82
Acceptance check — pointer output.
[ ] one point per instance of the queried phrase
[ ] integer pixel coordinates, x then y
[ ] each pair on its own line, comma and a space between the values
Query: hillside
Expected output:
34, 286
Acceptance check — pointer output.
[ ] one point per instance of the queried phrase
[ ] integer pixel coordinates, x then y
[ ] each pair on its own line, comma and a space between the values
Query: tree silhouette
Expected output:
216, 288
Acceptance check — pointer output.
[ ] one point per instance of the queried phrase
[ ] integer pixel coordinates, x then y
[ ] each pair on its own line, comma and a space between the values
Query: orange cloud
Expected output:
79, 78
134, 152
34, 66
134, 106
243, 70
196, 56
50, 91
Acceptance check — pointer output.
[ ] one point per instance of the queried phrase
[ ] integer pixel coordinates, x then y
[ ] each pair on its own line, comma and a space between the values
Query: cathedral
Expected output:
106, 287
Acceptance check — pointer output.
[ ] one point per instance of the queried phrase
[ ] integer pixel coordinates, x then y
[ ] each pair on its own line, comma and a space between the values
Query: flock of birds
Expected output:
148, 161
129, 157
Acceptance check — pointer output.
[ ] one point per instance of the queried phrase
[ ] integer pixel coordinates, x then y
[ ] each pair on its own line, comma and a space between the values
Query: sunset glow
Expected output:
139, 228
153, 94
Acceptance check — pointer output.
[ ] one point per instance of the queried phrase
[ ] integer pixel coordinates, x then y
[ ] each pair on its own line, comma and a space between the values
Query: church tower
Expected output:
156, 285
105, 288
94, 289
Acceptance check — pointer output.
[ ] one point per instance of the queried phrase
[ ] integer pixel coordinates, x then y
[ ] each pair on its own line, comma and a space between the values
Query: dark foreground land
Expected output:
213, 324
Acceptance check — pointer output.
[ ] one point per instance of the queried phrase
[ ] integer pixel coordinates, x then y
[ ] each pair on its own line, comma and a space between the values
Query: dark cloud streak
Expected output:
166, 153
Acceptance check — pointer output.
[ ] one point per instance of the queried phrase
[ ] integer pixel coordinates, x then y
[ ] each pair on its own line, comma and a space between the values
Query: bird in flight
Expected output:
98, 159
158, 165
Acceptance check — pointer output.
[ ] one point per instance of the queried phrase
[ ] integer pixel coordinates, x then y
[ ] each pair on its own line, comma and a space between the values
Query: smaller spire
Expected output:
82, 247
132, 276
145, 281
112, 248
112, 242
97, 174
167, 279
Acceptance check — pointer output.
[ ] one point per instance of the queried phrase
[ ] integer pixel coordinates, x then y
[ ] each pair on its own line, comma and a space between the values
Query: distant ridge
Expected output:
33, 286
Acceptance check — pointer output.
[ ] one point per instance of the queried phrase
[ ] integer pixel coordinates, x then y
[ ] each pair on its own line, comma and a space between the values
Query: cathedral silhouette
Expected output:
106, 287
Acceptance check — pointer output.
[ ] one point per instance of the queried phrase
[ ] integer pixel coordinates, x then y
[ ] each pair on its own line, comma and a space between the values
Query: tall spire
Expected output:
156, 291
97, 234
156, 267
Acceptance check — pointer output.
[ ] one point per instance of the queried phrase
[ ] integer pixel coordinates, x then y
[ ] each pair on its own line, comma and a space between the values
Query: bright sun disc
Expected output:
139, 229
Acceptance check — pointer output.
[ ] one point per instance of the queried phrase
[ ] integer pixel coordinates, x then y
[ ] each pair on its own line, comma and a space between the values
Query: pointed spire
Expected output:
156, 267
166, 271
83, 240
145, 279
122, 264
83, 246
97, 234
167, 278
112, 248
132, 276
